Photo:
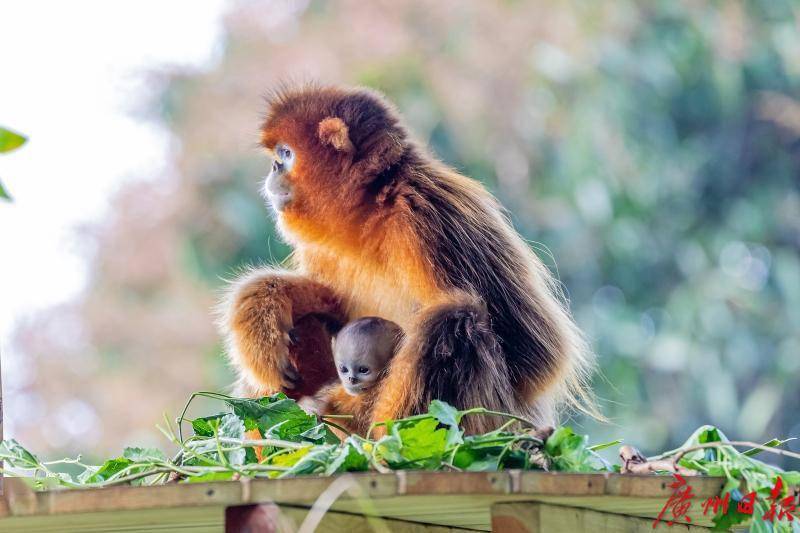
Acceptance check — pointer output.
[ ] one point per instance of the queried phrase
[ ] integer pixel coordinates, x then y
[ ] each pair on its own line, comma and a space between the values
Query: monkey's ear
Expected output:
333, 131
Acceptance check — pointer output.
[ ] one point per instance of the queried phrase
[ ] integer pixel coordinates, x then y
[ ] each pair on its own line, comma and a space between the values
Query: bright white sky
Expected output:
70, 73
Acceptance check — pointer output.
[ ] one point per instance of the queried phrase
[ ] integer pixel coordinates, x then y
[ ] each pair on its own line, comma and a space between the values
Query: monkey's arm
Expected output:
258, 315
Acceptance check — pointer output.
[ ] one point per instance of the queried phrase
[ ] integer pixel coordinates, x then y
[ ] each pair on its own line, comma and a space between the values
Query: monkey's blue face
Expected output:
277, 188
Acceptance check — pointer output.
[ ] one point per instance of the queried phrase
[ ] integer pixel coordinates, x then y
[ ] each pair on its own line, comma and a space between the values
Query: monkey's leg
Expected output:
258, 316
451, 354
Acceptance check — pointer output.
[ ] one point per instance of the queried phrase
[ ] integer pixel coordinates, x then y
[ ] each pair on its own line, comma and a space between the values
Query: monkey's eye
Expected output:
284, 153
363, 370
343, 369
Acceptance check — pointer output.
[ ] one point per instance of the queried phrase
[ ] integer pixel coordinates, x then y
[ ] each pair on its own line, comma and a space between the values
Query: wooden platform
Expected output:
401, 501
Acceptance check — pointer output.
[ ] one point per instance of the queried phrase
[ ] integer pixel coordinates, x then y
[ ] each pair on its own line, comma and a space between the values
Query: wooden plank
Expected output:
376, 486
530, 517
22, 501
522, 517
647, 508
458, 499
454, 482
470, 511
648, 486
473, 511
202, 520
562, 484
195, 519
626, 485
308, 489
335, 522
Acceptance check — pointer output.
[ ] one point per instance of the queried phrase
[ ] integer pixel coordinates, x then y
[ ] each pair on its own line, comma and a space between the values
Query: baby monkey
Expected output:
362, 351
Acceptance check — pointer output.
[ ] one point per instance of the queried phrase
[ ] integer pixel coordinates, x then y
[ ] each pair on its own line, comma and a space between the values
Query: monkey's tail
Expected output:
462, 363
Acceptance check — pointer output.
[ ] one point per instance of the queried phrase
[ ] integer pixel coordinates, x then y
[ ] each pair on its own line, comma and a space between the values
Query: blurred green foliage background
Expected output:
650, 151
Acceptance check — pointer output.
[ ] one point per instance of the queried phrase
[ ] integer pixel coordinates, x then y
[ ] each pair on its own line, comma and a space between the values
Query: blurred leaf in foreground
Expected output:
10, 140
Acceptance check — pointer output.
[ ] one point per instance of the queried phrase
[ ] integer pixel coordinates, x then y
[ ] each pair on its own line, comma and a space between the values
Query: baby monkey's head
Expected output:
362, 350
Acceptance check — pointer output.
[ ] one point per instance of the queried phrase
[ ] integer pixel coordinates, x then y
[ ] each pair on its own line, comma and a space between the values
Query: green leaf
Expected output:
422, 442
204, 427
16, 455
351, 457
774, 443
315, 461
568, 451
449, 416
55, 481
492, 440
10, 140
277, 416
228, 425
3, 193
250, 456
144, 455
489, 463
388, 449
231, 427
444, 413
109, 469
482, 452
290, 459
791, 478
704, 435
319, 434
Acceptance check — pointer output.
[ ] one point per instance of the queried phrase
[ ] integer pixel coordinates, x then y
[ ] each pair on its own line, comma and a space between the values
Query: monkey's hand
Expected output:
312, 405
258, 316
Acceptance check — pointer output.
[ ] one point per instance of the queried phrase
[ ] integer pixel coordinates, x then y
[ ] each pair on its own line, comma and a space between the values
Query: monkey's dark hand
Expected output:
290, 375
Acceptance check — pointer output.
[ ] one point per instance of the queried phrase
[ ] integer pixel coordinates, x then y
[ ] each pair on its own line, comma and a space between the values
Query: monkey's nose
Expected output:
353, 379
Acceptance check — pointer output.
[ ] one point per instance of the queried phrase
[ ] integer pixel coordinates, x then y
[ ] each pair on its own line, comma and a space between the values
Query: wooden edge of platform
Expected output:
19, 500
536, 517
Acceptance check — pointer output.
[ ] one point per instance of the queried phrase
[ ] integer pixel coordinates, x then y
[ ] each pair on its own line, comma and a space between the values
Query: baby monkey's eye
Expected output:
363, 370
343, 369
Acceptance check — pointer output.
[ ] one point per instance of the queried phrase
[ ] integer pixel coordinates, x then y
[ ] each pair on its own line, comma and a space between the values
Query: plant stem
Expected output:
681, 452
251, 443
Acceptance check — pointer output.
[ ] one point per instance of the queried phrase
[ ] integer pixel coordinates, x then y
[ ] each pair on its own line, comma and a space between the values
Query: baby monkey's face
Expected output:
362, 351
358, 372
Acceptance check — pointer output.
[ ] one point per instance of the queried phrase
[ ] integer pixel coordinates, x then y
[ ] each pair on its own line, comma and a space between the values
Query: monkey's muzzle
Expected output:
276, 189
